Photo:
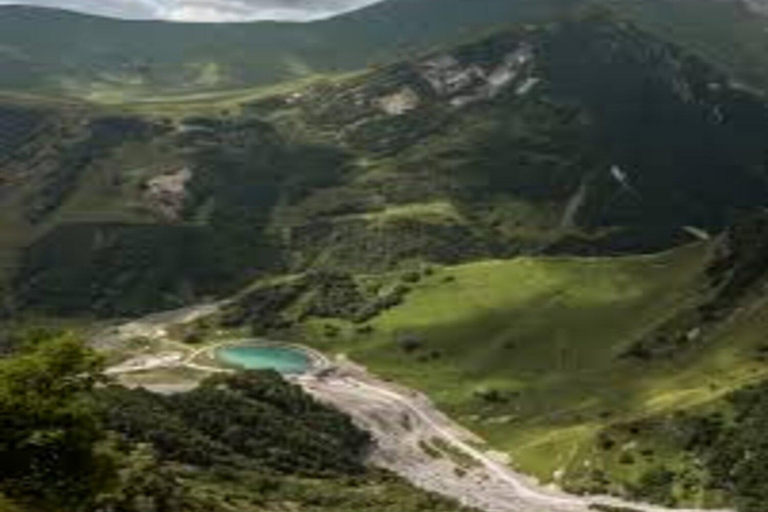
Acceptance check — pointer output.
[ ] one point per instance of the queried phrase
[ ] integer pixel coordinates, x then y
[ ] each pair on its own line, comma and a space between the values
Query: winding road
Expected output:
412, 437
402, 422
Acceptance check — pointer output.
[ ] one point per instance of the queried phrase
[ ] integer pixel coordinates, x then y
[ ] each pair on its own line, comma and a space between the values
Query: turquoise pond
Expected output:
252, 357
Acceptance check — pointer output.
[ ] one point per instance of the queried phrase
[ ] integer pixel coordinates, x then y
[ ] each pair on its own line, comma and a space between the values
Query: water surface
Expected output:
285, 360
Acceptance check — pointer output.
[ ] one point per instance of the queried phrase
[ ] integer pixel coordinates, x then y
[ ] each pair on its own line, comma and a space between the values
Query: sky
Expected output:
206, 10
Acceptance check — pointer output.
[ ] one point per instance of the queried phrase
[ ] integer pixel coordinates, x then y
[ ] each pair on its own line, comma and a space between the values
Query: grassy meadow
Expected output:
526, 352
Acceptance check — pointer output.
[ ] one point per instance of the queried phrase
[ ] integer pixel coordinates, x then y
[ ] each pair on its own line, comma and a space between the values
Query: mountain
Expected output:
58, 52
586, 137
250, 442
103, 54
727, 34
553, 229
86, 56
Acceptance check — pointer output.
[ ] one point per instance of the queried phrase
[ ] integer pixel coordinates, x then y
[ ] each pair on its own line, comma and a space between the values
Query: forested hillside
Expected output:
554, 228
584, 137
250, 442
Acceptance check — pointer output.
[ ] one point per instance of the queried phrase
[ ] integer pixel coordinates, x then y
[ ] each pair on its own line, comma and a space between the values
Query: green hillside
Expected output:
548, 221
601, 374
538, 357
604, 375
117, 61
235, 443
110, 60
512, 144
531, 358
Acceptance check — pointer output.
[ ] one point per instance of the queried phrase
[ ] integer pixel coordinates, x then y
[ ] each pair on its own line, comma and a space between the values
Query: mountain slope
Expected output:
727, 34
584, 137
59, 52
431, 217
605, 375
248, 442
81, 55
596, 127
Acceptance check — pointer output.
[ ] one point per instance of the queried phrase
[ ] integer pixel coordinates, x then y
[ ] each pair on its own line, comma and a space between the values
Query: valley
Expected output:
515, 258
547, 411
413, 439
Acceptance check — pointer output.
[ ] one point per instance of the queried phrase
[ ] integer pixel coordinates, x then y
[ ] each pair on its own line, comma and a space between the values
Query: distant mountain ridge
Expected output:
65, 53
81, 55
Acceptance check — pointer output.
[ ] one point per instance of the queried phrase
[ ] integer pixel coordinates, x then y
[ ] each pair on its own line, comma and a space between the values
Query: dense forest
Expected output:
73, 441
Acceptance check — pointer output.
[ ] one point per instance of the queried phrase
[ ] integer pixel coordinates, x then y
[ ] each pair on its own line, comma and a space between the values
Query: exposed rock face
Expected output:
359, 110
166, 193
527, 86
448, 76
466, 84
400, 102
514, 64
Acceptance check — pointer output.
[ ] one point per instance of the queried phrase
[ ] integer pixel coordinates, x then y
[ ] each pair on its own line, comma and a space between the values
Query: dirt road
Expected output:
416, 441
152, 326
412, 437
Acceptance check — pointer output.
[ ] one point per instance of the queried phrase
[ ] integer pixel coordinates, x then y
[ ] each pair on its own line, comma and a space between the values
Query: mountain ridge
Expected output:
495, 148
577, 184
215, 56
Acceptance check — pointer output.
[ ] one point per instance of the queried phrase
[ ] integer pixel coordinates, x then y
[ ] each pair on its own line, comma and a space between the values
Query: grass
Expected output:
164, 377
437, 212
8, 506
729, 361
116, 98
110, 191
430, 450
457, 456
210, 102
525, 351
11, 240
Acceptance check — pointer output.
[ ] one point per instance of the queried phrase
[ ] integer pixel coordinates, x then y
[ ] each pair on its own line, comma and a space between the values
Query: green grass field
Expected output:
177, 106
525, 352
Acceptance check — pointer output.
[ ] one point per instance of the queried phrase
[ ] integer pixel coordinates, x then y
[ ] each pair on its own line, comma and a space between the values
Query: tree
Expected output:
49, 427
142, 485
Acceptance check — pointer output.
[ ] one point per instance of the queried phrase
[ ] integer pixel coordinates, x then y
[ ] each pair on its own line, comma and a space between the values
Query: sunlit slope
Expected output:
681, 431
527, 351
